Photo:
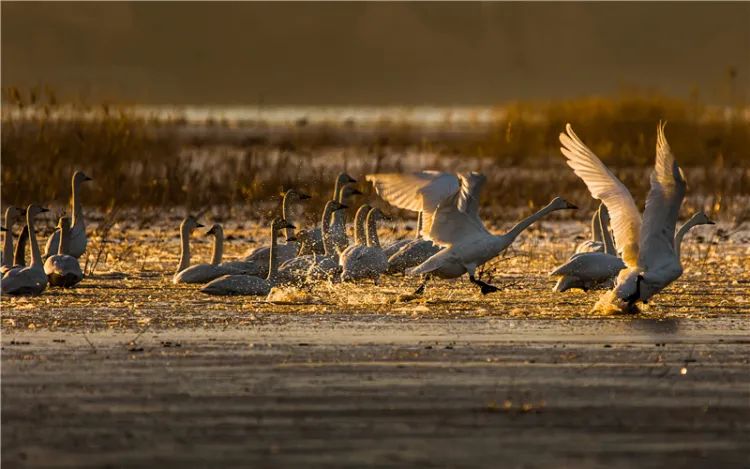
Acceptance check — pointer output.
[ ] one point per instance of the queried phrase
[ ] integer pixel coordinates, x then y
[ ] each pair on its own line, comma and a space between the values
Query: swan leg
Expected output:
420, 290
485, 287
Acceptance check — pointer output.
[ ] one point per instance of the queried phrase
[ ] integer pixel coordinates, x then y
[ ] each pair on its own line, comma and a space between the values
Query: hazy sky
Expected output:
374, 53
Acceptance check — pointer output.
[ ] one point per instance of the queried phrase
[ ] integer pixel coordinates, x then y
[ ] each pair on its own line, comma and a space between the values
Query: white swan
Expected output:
314, 237
646, 248
295, 270
186, 228
700, 218
286, 251
248, 284
599, 223
365, 261
29, 280
62, 269
327, 267
258, 268
78, 239
412, 253
450, 205
12, 214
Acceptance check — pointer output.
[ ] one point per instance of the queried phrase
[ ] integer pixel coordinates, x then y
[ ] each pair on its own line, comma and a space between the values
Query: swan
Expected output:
450, 206
19, 257
314, 237
295, 270
327, 267
395, 246
78, 238
29, 280
599, 223
12, 214
365, 261
412, 253
286, 251
700, 218
647, 248
239, 284
186, 227
62, 269
203, 273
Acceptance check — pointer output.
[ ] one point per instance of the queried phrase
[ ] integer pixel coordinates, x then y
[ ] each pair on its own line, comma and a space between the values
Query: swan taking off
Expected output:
450, 206
62, 269
78, 240
29, 280
647, 248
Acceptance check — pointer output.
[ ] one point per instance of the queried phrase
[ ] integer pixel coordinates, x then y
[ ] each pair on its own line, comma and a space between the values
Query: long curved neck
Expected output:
218, 251
596, 229
286, 213
372, 231
64, 239
273, 268
325, 230
77, 219
681, 234
419, 225
8, 242
36, 256
360, 235
511, 235
339, 216
184, 248
609, 243
19, 258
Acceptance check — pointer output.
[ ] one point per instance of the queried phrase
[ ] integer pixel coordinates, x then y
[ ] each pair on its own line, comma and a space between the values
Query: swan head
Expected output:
558, 203
64, 223
34, 210
79, 177
701, 218
349, 191
344, 178
295, 194
14, 213
335, 206
215, 230
280, 224
190, 223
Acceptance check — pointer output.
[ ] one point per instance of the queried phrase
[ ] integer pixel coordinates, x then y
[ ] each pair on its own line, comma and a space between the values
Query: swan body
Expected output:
250, 285
12, 214
327, 266
62, 269
646, 246
29, 280
78, 239
413, 253
395, 246
450, 206
588, 271
367, 261
337, 228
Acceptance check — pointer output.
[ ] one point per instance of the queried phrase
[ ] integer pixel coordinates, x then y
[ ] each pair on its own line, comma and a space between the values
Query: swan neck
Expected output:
511, 235
372, 231
609, 244
325, 231
596, 228
218, 251
419, 225
19, 258
63, 246
77, 219
285, 213
184, 248
36, 255
8, 241
360, 233
681, 234
273, 268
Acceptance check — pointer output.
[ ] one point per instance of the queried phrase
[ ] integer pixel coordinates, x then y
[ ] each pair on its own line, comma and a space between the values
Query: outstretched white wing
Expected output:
457, 219
603, 185
405, 190
662, 205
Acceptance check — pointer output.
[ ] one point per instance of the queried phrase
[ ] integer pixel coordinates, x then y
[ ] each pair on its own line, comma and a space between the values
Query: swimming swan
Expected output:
365, 261
12, 214
647, 248
240, 284
63, 270
78, 240
260, 255
450, 205
29, 280
186, 227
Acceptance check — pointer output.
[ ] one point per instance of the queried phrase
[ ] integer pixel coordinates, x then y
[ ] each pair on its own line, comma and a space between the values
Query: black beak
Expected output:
356, 191
42, 210
710, 222
198, 225
88, 179
289, 225
340, 207
2, 228
291, 239
211, 231
303, 196
572, 206
351, 179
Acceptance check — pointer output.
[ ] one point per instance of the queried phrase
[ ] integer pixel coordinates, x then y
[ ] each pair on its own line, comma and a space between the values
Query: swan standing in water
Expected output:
62, 269
413, 253
295, 270
188, 225
327, 267
249, 284
647, 248
314, 237
450, 206
365, 261
284, 251
78, 240
29, 280
12, 214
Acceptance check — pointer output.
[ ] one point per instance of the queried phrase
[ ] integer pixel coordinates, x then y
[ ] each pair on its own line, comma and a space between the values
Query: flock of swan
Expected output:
632, 257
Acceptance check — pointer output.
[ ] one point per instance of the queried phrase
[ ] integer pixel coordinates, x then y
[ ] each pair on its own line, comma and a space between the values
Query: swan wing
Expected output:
415, 191
603, 185
662, 206
456, 220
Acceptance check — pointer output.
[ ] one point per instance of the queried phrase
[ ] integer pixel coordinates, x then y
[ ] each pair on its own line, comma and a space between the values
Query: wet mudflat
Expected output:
128, 370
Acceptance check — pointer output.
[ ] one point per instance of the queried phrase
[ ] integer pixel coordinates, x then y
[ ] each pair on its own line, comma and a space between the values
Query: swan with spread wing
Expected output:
646, 246
450, 210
